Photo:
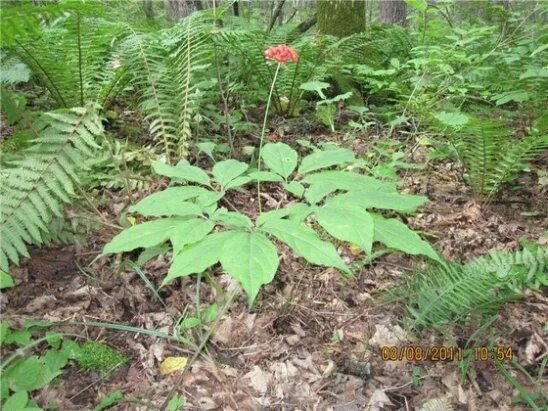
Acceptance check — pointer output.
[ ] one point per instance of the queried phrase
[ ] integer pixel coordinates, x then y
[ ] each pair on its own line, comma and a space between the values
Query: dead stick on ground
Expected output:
209, 333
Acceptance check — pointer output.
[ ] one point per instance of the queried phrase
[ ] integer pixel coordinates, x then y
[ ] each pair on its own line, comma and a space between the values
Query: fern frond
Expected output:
36, 185
193, 56
450, 293
490, 154
245, 48
479, 145
516, 157
517, 269
374, 48
165, 68
68, 48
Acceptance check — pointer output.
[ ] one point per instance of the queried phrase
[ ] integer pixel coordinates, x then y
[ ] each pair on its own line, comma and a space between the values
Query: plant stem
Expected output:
262, 134
225, 101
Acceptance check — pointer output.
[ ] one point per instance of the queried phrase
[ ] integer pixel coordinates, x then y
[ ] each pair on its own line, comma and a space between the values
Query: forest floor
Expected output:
313, 340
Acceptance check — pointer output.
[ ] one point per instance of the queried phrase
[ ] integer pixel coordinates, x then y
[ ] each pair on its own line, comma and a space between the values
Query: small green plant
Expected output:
331, 203
110, 400
20, 373
385, 159
450, 293
176, 403
536, 399
20, 376
326, 108
98, 357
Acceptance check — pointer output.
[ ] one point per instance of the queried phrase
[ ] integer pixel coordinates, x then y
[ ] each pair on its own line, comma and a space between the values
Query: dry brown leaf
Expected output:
378, 401
258, 379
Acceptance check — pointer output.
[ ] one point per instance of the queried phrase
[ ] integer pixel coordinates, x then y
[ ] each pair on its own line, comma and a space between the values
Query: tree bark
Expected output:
393, 12
307, 24
276, 13
341, 17
148, 8
178, 9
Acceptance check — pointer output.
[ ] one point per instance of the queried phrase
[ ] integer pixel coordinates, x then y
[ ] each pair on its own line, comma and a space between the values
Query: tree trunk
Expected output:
276, 14
178, 9
341, 17
393, 12
147, 7
307, 24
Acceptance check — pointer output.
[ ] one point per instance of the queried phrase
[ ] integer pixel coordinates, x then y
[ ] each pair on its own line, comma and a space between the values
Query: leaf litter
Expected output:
312, 341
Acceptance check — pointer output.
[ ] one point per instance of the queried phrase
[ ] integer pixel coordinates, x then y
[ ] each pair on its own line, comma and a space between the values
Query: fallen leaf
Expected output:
172, 364
438, 404
258, 380
378, 401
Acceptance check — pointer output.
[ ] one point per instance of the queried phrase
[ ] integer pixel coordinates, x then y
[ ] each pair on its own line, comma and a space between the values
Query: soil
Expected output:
313, 339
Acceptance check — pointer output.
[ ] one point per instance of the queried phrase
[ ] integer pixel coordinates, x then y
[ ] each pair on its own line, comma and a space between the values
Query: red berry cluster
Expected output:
281, 53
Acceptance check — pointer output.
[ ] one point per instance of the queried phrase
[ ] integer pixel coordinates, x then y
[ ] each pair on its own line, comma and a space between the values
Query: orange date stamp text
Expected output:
417, 353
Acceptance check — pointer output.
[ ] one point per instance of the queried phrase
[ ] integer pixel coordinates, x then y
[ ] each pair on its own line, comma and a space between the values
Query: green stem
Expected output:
81, 76
262, 133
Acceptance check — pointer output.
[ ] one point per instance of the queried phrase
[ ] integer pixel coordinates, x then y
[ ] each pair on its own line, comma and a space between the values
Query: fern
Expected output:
490, 154
68, 48
374, 47
320, 56
245, 49
42, 178
526, 268
165, 68
450, 293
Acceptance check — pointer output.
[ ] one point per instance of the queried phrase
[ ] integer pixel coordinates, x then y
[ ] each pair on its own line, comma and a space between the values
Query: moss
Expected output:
341, 17
101, 358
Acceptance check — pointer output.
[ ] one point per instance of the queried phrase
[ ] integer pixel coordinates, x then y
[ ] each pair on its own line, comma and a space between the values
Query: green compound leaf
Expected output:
454, 120
382, 200
296, 212
323, 159
348, 223
183, 171
189, 232
16, 402
316, 86
280, 158
29, 374
171, 201
233, 219
171, 207
197, 257
143, 235
346, 180
327, 182
226, 171
265, 176
6, 281
295, 188
395, 234
251, 259
238, 181
4, 332
305, 242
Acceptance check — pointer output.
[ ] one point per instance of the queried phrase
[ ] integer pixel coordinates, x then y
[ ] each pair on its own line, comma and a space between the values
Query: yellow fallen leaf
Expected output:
172, 364
355, 250
132, 220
